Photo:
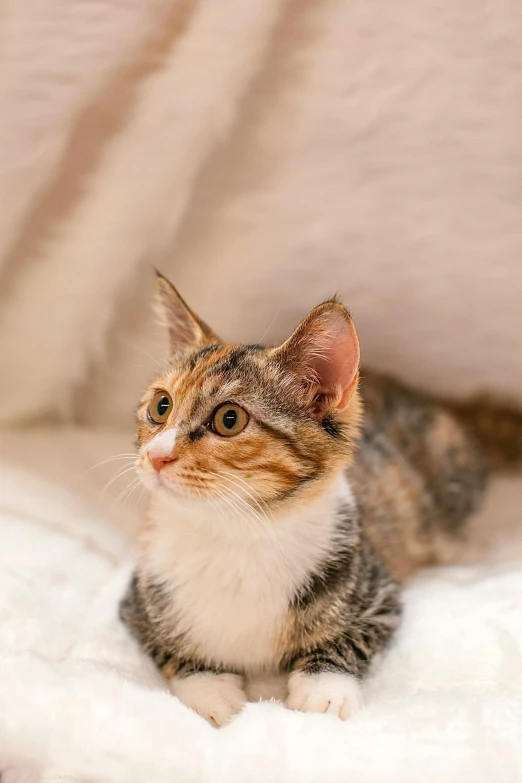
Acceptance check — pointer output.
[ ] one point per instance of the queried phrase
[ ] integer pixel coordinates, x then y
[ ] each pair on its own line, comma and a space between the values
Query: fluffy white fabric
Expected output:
79, 702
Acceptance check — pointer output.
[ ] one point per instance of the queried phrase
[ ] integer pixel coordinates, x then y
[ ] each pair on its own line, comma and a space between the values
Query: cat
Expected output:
289, 500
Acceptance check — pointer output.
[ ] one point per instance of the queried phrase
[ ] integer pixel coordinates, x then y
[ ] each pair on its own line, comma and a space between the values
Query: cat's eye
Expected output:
159, 408
229, 420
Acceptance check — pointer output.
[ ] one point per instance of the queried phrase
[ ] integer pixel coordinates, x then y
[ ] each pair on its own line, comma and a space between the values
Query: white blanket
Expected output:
79, 702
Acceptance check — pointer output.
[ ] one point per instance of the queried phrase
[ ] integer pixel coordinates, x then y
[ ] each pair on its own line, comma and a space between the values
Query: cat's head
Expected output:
235, 424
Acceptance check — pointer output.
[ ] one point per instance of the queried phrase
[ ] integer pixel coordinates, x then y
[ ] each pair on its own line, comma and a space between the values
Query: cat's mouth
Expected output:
162, 483
174, 488
178, 486
195, 489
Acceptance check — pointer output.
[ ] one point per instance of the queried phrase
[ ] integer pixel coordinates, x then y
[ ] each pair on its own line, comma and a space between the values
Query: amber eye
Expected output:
160, 407
229, 419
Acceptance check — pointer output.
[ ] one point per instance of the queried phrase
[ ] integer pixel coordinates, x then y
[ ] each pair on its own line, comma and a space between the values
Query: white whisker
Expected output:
126, 491
126, 456
272, 322
133, 346
122, 472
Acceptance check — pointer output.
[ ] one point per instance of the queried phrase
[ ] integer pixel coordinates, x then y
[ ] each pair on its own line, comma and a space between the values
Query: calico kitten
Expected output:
280, 520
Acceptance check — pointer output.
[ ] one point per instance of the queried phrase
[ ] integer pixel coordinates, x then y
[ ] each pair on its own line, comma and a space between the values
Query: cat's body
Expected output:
418, 476
279, 553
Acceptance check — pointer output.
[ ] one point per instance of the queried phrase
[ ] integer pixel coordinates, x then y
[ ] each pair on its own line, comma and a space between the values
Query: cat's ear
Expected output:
323, 358
185, 329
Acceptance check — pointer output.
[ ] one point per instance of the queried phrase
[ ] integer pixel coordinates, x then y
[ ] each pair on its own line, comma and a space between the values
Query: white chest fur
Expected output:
232, 580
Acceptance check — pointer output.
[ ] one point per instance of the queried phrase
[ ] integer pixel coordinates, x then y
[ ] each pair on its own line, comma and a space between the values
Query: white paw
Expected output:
330, 692
216, 697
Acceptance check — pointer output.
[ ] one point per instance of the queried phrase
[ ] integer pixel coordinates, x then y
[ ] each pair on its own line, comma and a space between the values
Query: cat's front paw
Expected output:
216, 697
331, 692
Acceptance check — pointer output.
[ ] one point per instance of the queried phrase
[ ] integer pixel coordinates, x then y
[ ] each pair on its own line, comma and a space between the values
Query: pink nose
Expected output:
160, 461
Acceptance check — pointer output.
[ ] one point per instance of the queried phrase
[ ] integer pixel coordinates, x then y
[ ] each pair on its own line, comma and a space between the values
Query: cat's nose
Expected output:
159, 462
162, 449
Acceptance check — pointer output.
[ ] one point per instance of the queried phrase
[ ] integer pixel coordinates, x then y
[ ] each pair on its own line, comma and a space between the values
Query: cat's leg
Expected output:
363, 608
215, 695
318, 683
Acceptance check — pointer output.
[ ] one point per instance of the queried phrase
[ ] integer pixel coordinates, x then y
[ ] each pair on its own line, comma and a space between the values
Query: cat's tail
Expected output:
497, 429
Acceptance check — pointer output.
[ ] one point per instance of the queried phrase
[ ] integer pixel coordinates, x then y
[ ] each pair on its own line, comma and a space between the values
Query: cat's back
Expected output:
417, 475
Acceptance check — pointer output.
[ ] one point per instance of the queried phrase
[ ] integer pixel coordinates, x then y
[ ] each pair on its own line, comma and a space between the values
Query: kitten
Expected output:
281, 522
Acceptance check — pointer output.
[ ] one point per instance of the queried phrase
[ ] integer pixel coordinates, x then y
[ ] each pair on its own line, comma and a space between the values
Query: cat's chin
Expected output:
168, 490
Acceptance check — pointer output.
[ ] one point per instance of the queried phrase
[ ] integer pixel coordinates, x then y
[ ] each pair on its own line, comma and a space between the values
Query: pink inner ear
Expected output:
335, 360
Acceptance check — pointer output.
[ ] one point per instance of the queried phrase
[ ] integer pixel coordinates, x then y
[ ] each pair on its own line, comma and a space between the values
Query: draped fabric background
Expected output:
264, 154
